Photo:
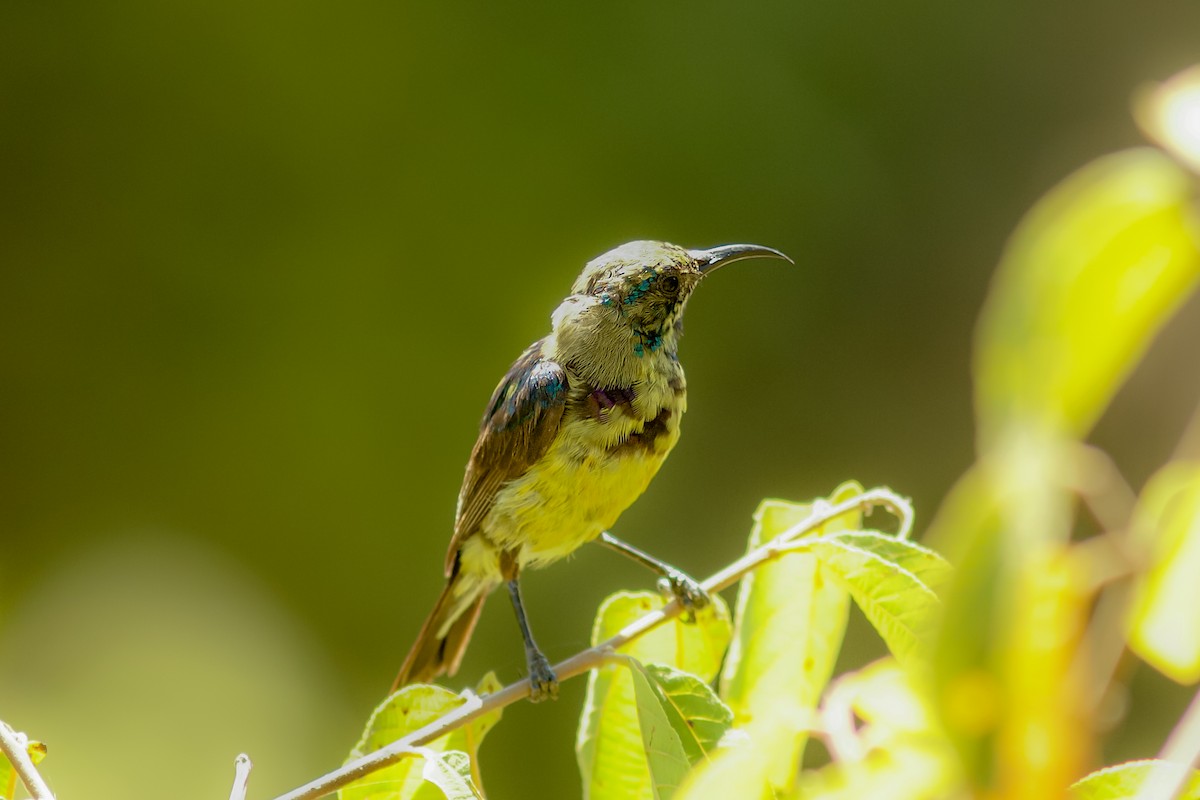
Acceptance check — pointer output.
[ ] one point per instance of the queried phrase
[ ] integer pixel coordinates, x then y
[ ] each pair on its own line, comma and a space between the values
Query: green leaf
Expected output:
789, 624
1089, 277
697, 715
1127, 781
1167, 522
742, 768
408, 710
665, 756
610, 746
36, 751
926, 565
884, 576
692, 647
8, 779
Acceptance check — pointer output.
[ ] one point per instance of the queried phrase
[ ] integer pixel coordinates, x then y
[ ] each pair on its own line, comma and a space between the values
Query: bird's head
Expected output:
648, 283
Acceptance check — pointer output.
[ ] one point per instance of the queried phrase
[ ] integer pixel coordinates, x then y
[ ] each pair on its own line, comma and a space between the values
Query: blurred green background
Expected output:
261, 266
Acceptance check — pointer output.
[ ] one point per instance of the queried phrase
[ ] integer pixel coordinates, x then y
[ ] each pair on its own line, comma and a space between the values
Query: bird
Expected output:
571, 437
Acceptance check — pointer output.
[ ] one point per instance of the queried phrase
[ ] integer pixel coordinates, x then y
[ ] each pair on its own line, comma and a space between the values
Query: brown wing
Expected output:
521, 421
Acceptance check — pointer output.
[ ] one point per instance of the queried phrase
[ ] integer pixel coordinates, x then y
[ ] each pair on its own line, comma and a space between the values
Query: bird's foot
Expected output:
687, 591
543, 683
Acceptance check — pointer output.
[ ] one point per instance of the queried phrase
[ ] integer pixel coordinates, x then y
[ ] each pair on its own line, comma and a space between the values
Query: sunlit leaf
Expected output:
1127, 781
609, 745
1163, 628
742, 769
1089, 277
697, 715
8, 779
408, 710
924, 564
790, 620
884, 576
36, 750
665, 756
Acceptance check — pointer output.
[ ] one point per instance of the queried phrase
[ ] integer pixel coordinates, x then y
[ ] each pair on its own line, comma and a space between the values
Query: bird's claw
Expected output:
687, 591
543, 683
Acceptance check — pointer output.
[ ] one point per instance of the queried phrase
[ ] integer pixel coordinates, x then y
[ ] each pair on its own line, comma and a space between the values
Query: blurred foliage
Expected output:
1165, 525
1127, 780
242, 362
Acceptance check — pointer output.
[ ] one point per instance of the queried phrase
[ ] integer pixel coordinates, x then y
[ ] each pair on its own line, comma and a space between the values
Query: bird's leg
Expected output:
543, 682
672, 582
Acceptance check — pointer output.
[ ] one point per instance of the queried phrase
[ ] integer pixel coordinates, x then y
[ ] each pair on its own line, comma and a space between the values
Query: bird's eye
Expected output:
670, 283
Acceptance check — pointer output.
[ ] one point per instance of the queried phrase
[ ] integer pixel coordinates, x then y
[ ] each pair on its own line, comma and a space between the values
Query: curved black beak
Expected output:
709, 260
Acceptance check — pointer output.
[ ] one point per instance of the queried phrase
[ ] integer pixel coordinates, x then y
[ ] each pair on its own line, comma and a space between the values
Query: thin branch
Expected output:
593, 657
13, 745
1181, 754
241, 776
1104, 490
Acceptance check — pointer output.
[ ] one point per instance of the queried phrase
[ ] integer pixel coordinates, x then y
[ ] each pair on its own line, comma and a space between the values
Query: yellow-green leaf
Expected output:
698, 716
884, 576
1163, 627
408, 710
789, 624
8, 778
743, 770
924, 564
1128, 781
609, 746
665, 756
36, 750
1089, 277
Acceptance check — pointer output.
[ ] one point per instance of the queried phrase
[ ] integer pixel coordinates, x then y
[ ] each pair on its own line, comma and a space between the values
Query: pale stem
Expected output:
13, 745
1182, 754
241, 775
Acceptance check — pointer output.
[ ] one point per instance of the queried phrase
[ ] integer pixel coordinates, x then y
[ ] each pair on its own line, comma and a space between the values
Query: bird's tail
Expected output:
443, 638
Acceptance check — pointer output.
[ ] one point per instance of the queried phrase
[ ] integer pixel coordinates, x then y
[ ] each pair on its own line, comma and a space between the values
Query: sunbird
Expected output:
571, 437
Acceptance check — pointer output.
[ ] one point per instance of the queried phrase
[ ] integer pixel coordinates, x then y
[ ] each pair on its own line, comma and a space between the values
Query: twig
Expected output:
13, 745
586, 660
1104, 490
1181, 754
241, 776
